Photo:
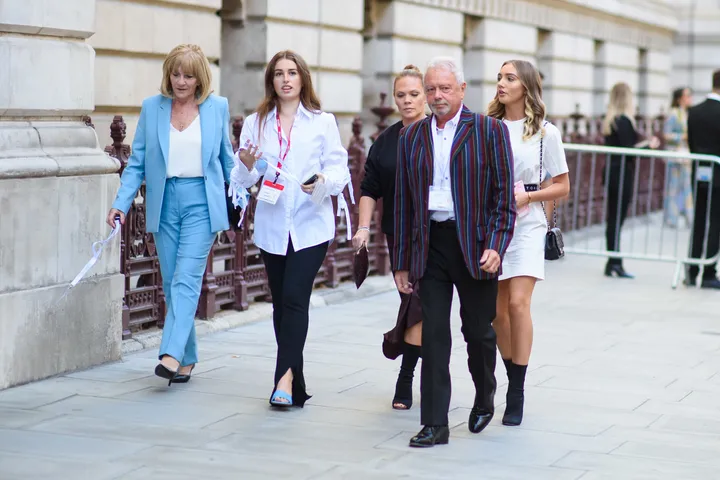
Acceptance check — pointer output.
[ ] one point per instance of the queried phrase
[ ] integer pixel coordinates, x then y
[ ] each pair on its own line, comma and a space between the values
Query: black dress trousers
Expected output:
446, 268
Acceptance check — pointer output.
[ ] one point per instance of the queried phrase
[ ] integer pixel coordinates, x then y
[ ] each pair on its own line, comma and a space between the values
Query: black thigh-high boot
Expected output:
515, 395
403, 387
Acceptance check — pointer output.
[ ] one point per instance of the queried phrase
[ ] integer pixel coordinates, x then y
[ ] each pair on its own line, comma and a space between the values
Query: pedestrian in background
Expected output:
704, 137
296, 149
379, 183
182, 152
537, 149
678, 196
620, 130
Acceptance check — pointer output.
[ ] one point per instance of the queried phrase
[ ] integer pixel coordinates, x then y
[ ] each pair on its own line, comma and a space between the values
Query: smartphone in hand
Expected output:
311, 180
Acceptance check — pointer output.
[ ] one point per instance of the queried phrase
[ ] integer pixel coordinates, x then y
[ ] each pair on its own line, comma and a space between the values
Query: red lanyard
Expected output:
280, 154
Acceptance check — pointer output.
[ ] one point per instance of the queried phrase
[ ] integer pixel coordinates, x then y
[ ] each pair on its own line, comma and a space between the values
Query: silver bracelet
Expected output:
367, 229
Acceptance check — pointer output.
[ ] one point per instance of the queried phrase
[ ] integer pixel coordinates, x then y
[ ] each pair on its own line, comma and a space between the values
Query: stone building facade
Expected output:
696, 49
355, 47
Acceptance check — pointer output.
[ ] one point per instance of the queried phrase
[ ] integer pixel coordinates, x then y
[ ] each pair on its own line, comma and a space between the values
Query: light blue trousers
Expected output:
183, 243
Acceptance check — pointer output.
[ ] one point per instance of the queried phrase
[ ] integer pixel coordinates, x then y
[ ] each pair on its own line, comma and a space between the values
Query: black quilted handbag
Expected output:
554, 246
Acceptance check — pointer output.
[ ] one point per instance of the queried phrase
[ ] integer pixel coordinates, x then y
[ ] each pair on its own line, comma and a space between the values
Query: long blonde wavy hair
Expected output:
621, 103
534, 105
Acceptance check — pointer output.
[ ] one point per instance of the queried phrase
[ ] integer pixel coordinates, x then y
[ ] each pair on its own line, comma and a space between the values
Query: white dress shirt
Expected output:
442, 146
315, 146
714, 96
185, 151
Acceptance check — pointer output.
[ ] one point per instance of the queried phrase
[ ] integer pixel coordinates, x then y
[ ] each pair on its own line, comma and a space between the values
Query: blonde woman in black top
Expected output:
379, 183
620, 130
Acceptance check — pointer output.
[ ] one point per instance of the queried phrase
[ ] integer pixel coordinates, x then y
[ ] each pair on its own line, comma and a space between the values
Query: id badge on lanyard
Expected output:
270, 191
440, 199
704, 173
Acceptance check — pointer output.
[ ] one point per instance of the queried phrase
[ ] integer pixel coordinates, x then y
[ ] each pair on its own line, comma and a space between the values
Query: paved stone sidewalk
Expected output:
623, 384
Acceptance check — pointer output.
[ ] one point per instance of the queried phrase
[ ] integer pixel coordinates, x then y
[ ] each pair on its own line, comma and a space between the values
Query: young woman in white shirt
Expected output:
537, 148
296, 149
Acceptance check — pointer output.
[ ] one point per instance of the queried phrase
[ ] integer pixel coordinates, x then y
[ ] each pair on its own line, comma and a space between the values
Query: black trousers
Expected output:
445, 268
620, 193
291, 277
700, 195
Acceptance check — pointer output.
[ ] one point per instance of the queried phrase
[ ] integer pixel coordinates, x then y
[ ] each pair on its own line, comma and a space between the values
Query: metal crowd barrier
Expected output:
645, 235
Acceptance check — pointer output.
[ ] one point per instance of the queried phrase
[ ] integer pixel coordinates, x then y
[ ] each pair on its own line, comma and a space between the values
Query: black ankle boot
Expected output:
515, 399
508, 368
613, 269
403, 387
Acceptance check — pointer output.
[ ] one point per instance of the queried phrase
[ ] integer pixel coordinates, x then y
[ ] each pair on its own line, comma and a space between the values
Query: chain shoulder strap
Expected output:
542, 138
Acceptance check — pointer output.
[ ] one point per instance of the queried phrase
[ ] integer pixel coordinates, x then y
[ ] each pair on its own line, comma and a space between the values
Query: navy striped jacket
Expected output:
481, 172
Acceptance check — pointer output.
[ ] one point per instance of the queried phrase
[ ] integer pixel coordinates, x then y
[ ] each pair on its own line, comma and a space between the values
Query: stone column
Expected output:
654, 86
567, 62
326, 33
131, 40
614, 62
402, 33
697, 46
491, 42
56, 186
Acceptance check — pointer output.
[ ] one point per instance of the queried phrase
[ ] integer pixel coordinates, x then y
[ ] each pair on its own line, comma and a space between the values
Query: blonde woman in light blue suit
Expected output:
182, 151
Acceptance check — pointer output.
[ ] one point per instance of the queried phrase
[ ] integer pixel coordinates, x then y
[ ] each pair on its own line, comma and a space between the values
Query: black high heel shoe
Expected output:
181, 377
616, 270
163, 372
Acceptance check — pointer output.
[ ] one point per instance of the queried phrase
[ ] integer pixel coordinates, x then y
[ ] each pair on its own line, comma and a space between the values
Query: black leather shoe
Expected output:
616, 270
431, 436
479, 419
182, 378
713, 283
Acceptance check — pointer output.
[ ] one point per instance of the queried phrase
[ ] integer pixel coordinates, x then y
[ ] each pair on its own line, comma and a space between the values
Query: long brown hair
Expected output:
677, 95
534, 105
308, 98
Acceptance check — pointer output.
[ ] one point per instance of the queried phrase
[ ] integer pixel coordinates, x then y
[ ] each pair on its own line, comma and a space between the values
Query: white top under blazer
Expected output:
315, 146
185, 151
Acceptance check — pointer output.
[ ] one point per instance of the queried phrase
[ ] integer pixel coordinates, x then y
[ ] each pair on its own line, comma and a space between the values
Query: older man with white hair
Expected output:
454, 219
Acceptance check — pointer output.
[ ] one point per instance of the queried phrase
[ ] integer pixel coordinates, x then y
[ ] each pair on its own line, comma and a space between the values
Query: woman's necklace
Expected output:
181, 115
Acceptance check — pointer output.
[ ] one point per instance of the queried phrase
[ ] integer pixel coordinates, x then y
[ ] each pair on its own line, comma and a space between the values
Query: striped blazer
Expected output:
481, 172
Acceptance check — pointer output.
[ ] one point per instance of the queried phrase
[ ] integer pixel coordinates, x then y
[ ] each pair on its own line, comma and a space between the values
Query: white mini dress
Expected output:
526, 254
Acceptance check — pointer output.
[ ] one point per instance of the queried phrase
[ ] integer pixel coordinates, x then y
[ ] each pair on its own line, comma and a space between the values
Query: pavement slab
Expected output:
623, 384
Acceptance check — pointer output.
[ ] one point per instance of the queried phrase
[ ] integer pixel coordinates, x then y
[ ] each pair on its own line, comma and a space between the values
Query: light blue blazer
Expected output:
149, 159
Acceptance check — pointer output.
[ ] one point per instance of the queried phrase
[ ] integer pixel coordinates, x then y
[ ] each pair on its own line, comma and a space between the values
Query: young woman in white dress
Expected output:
519, 104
